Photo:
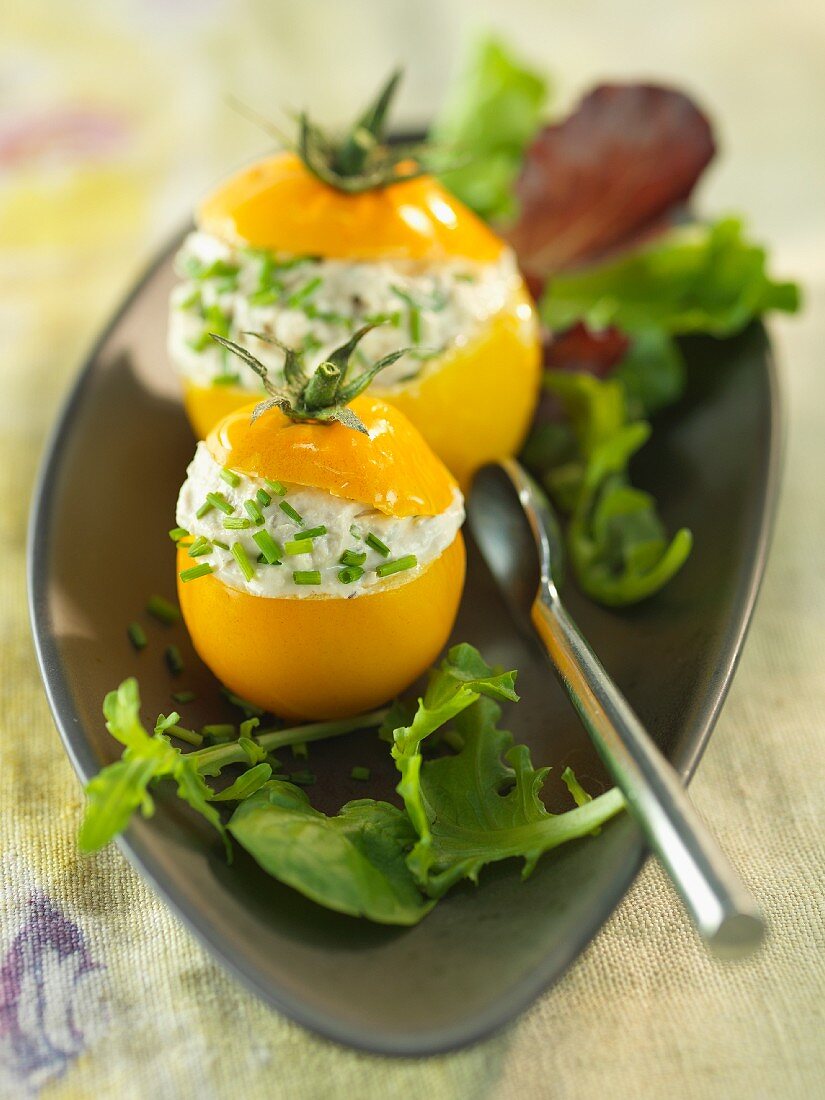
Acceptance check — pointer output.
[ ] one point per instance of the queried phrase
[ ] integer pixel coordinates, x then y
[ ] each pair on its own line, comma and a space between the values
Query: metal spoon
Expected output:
722, 908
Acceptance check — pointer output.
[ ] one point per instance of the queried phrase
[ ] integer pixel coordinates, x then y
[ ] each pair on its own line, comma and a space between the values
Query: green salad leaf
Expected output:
491, 113
616, 542
652, 372
694, 278
483, 805
353, 863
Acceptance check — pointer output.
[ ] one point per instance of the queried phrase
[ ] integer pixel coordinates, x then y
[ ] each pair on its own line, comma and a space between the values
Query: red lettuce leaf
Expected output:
613, 173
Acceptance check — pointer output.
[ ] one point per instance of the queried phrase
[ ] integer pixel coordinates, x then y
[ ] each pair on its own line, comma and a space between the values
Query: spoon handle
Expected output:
719, 903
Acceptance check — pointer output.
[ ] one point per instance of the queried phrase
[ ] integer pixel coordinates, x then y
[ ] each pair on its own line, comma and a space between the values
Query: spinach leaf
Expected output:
490, 114
483, 805
695, 278
353, 863
652, 372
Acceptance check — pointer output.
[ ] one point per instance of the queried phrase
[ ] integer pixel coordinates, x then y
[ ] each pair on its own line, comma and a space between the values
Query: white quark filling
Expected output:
426, 537
314, 305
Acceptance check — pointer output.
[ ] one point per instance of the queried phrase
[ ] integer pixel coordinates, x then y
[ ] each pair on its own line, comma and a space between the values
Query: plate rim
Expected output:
502, 1010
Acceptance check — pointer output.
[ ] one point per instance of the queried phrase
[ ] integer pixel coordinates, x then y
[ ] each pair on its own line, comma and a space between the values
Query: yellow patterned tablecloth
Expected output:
112, 120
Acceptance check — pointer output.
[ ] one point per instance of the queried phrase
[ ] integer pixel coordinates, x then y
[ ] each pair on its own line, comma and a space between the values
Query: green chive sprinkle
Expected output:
223, 545
277, 488
271, 552
202, 570
220, 732
298, 546
230, 477
296, 517
178, 533
300, 750
350, 573
353, 557
414, 321
378, 546
199, 547
245, 565
237, 523
183, 697
137, 636
163, 610
174, 661
263, 498
314, 532
409, 561
227, 378
255, 513
302, 779
250, 709
204, 509
218, 500
356, 534
359, 772
304, 292
306, 576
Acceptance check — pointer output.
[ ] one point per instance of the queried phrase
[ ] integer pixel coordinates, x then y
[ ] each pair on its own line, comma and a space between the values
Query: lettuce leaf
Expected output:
490, 114
695, 278
354, 863
483, 805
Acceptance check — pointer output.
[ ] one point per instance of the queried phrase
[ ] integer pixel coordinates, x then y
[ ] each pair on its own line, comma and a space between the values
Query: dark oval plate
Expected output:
98, 548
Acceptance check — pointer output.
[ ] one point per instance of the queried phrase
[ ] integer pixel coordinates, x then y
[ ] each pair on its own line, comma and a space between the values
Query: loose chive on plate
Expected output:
174, 661
163, 610
359, 772
137, 636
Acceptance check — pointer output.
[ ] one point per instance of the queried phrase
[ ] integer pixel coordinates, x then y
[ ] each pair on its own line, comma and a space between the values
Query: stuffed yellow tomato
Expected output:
306, 246
320, 558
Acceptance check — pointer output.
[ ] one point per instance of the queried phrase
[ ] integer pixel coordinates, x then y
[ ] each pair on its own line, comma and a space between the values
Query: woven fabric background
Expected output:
112, 123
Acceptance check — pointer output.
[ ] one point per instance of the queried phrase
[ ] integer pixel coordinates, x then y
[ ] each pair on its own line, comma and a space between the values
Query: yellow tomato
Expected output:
324, 657
328, 656
474, 403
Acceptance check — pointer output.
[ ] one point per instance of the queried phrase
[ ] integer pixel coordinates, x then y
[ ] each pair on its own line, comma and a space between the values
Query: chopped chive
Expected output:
222, 545
255, 513
245, 565
218, 500
288, 510
137, 636
304, 292
174, 661
183, 697
409, 561
353, 557
350, 573
178, 533
236, 523
277, 488
199, 547
302, 779
163, 610
250, 709
230, 477
202, 570
414, 321
378, 546
359, 772
226, 378
220, 732
300, 750
298, 546
266, 296
356, 534
263, 498
314, 532
270, 549
306, 576
204, 509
